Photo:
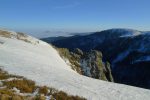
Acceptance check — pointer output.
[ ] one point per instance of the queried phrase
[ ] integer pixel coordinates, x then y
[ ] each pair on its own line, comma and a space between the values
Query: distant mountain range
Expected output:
127, 50
47, 71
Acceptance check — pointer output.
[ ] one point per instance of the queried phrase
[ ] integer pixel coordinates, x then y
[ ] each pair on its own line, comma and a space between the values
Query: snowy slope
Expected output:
42, 63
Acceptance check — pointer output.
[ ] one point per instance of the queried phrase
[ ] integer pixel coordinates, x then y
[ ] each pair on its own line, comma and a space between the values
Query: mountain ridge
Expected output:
42, 63
120, 47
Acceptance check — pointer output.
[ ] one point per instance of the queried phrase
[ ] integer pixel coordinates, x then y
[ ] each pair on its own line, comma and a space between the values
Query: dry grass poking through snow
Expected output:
14, 87
5, 34
25, 86
18, 35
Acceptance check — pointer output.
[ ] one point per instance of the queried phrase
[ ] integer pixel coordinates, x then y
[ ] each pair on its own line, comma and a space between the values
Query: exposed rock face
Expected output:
93, 66
127, 50
88, 63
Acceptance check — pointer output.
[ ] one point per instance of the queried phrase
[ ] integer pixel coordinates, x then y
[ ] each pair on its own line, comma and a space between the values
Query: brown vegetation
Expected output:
63, 96
43, 90
29, 86
25, 86
5, 34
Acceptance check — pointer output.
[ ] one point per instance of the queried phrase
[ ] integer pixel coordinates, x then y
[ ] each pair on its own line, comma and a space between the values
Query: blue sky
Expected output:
74, 15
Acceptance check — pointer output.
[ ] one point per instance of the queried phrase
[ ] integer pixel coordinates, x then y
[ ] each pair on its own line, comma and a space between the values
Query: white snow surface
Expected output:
42, 63
121, 56
126, 32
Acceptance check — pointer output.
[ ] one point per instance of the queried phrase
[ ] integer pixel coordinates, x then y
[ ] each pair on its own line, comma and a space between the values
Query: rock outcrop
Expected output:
88, 63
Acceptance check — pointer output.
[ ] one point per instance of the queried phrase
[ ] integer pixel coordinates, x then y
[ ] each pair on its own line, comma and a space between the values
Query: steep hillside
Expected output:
123, 48
87, 63
42, 63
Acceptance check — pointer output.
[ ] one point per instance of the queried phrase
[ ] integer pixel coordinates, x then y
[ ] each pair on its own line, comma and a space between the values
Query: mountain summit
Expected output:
127, 50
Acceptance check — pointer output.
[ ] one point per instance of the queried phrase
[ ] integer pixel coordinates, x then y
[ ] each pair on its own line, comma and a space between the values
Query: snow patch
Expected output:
144, 58
121, 56
126, 32
86, 69
43, 64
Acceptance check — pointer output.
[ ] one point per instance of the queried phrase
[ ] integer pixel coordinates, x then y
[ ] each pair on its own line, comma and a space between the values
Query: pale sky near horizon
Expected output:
56, 16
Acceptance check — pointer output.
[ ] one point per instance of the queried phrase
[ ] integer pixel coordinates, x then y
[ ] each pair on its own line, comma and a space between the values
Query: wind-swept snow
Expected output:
121, 56
144, 58
42, 63
126, 32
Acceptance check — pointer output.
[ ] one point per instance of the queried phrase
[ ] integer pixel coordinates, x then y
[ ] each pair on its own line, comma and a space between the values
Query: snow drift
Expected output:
41, 62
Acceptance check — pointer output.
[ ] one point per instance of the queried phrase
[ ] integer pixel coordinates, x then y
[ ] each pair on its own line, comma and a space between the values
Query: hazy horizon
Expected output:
61, 17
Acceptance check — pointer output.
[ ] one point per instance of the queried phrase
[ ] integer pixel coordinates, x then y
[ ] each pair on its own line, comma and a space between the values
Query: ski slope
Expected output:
42, 63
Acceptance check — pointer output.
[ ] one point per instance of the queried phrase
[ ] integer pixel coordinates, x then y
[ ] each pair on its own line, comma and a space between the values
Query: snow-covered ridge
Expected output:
20, 36
43, 64
125, 32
